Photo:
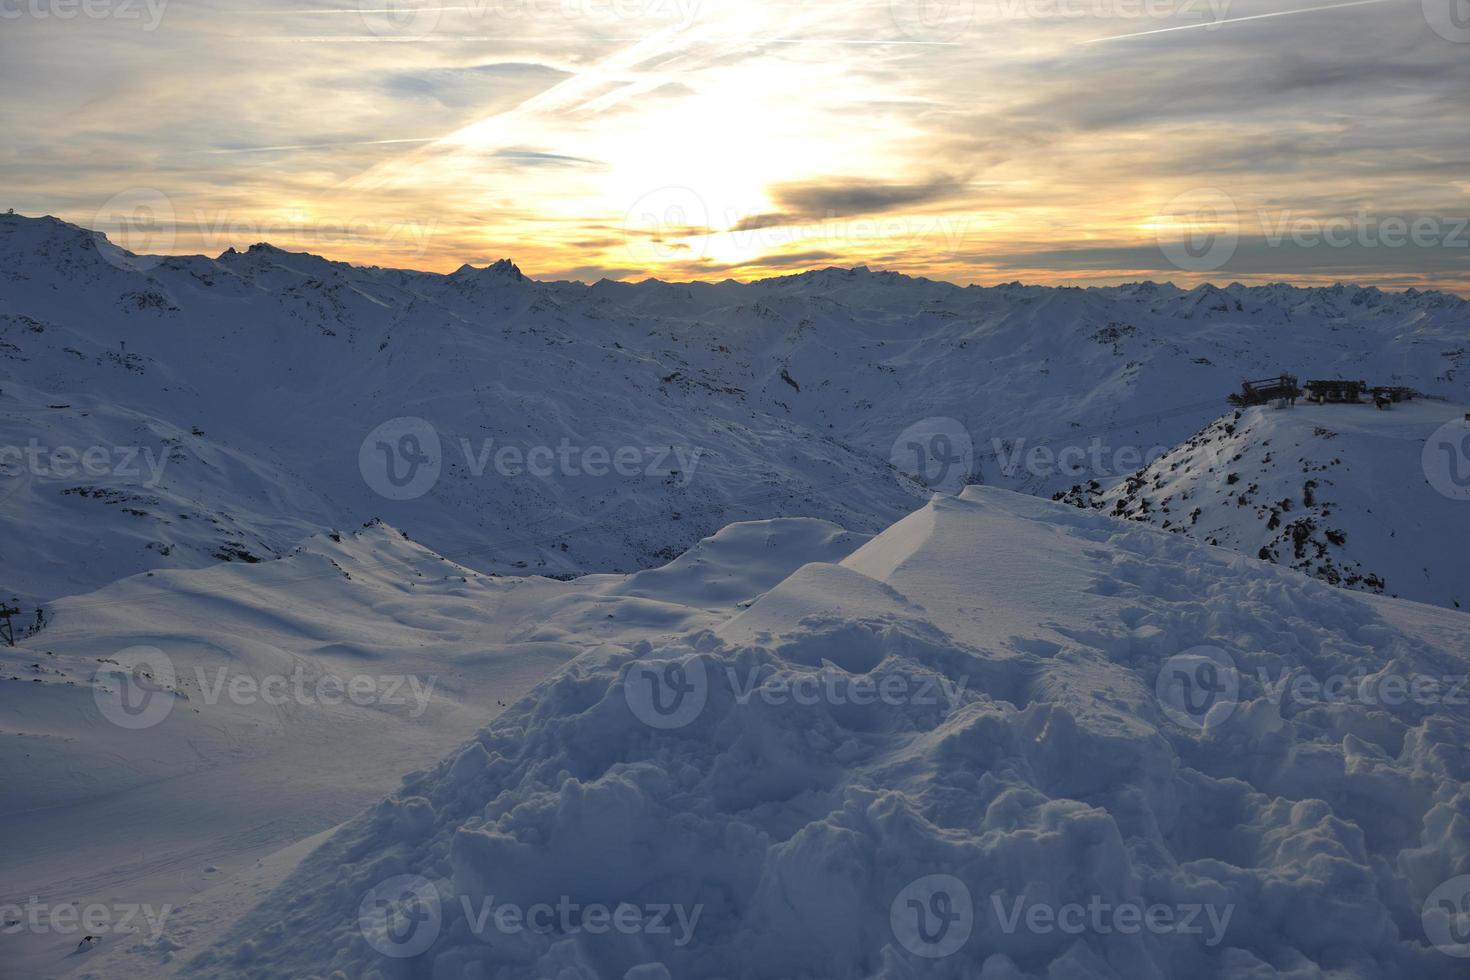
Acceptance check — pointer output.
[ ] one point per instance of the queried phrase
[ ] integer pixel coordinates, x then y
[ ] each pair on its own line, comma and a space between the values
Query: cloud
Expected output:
1258, 256
842, 197
593, 273
540, 158
789, 260
473, 86
1036, 152
758, 221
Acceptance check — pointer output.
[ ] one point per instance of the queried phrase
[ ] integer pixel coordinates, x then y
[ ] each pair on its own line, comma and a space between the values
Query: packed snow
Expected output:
288, 696
886, 764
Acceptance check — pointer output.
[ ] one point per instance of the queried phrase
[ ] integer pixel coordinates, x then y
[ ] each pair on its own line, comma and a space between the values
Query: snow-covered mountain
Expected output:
968, 749
174, 412
282, 698
1337, 491
810, 750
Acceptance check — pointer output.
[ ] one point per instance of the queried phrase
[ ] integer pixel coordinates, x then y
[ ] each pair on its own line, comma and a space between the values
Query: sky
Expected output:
1048, 141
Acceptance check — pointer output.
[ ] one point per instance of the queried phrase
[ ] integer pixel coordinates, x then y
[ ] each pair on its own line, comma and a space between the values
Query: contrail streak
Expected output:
319, 146
446, 38
1238, 20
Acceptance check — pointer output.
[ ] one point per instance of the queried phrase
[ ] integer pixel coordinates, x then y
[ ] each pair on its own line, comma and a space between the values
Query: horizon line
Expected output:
861, 266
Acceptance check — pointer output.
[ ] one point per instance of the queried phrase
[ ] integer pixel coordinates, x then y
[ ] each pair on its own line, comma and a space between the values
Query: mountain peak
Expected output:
500, 269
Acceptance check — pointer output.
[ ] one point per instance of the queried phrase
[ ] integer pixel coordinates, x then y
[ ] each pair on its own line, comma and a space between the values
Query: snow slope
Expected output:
232, 405
222, 767
969, 749
1337, 491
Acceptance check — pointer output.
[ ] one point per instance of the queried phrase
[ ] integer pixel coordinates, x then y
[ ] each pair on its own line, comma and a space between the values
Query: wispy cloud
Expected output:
1214, 24
688, 139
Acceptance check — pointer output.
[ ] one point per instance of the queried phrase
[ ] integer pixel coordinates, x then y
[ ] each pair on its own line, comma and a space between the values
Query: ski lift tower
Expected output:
7, 632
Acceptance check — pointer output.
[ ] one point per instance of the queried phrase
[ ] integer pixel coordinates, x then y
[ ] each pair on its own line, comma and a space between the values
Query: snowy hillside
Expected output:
300, 528
285, 697
175, 412
1336, 491
1006, 738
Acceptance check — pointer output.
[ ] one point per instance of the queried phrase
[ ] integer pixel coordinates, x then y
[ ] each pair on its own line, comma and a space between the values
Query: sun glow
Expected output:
686, 139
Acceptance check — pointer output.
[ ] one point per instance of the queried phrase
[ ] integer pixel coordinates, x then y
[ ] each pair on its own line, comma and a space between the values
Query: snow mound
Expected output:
970, 749
1336, 491
285, 696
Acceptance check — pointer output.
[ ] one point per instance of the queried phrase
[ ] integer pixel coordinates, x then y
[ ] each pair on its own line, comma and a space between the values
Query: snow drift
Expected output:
288, 695
1006, 738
